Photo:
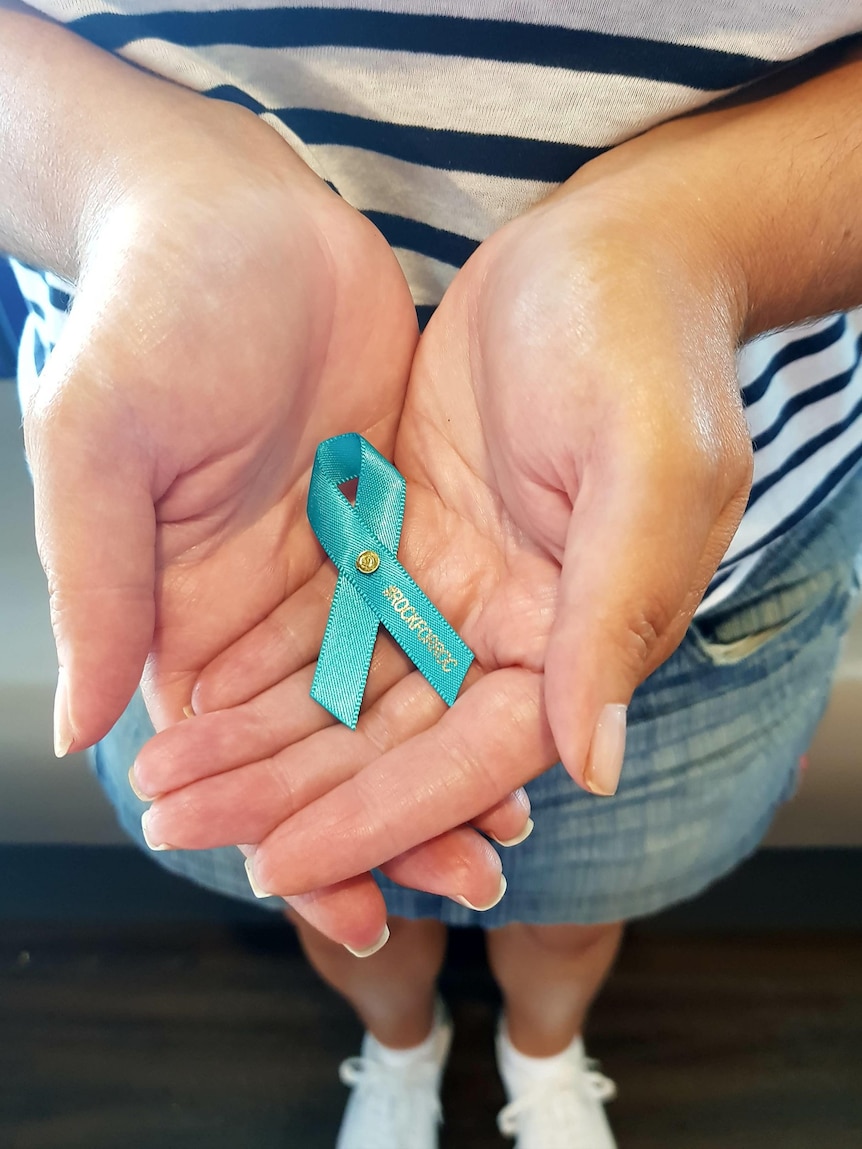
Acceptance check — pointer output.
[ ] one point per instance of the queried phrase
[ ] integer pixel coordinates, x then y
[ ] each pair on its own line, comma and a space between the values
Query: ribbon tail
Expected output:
345, 655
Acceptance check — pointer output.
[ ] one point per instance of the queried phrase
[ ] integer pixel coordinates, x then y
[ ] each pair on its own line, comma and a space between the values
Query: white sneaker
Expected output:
395, 1102
561, 1110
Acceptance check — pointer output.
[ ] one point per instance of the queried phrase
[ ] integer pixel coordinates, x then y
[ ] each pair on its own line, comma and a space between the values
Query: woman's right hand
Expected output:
222, 326
231, 311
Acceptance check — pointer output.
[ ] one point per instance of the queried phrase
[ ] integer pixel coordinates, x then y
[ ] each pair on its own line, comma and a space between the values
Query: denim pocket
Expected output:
780, 613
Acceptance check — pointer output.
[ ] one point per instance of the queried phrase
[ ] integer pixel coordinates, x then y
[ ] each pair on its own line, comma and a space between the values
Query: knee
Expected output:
572, 939
563, 941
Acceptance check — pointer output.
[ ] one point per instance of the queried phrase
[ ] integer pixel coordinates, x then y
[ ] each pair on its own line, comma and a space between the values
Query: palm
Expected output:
542, 503
234, 539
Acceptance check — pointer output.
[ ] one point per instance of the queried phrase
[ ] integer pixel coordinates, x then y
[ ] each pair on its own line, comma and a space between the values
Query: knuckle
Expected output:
641, 636
286, 792
376, 728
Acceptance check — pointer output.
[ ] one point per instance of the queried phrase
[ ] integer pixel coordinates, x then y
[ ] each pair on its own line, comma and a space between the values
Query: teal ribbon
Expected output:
373, 587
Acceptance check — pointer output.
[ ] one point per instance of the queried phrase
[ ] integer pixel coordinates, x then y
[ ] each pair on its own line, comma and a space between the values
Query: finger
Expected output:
493, 739
351, 913
508, 822
459, 865
644, 539
211, 744
287, 640
206, 599
95, 528
246, 803
214, 743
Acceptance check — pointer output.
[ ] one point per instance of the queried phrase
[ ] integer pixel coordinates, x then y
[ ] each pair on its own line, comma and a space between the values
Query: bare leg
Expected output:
394, 990
549, 976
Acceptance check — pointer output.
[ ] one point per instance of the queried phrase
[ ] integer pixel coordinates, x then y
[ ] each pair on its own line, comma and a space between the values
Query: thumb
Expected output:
95, 529
642, 544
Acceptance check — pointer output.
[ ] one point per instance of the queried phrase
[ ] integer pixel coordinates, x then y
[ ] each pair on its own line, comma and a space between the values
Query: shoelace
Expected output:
366, 1074
590, 1081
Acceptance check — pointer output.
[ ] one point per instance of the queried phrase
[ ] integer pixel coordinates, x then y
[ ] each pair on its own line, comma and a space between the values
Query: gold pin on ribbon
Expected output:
368, 562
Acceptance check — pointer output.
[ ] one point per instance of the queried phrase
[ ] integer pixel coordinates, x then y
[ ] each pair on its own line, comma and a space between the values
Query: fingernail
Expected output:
64, 736
522, 837
523, 797
247, 851
605, 761
372, 949
145, 817
255, 888
136, 790
503, 885
189, 713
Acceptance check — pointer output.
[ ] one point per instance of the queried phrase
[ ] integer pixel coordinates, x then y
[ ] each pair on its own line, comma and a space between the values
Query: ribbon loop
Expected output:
362, 540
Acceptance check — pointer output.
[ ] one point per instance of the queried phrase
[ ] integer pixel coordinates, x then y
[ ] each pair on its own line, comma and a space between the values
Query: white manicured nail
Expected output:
372, 949
145, 818
136, 790
255, 888
503, 885
522, 837
63, 734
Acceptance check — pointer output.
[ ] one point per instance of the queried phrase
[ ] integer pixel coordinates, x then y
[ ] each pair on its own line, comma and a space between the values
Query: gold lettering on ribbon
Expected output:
410, 616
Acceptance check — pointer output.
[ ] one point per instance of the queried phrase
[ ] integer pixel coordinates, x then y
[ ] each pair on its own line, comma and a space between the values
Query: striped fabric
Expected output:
442, 119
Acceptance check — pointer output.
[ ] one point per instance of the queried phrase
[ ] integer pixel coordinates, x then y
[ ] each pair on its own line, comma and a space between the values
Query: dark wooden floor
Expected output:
209, 1036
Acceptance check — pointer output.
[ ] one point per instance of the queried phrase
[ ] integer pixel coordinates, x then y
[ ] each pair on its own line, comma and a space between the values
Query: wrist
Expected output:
763, 192
199, 175
663, 235
179, 152
83, 133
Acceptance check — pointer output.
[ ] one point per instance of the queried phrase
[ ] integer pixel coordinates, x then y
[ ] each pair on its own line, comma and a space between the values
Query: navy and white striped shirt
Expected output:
441, 120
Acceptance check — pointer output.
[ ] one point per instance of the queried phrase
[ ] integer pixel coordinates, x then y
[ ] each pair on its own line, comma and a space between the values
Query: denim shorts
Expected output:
715, 737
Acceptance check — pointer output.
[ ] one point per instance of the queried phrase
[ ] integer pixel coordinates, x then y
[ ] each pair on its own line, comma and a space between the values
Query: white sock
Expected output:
433, 1048
520, 1071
